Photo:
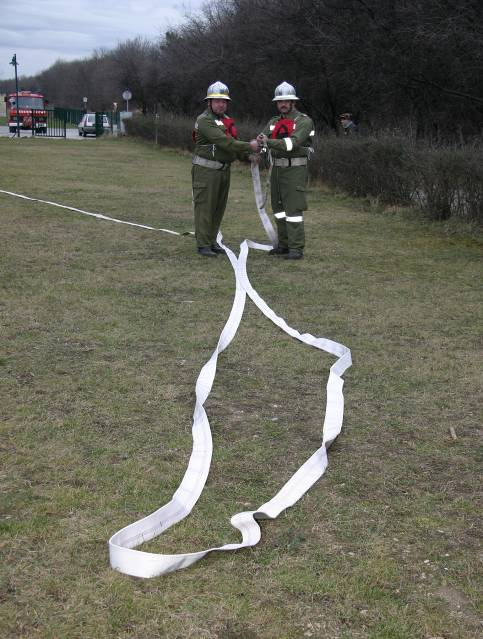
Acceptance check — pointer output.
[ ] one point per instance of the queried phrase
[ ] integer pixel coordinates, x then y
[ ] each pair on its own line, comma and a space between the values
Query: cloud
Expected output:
40, 33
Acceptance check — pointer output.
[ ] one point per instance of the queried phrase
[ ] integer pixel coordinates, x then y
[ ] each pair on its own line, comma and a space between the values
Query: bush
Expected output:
366, 167
168, 129
175, 130
442, 182
450, 183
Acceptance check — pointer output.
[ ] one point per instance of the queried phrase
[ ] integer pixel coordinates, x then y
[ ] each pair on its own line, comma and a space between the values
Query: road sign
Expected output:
127, 95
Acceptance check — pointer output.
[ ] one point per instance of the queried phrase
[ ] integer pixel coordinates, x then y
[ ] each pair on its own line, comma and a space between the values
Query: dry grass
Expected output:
105, 329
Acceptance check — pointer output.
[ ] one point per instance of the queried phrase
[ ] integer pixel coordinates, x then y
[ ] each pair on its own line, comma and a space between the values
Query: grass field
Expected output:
105, 328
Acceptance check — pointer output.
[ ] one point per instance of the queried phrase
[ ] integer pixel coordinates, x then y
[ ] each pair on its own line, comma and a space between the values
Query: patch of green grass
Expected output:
105, 328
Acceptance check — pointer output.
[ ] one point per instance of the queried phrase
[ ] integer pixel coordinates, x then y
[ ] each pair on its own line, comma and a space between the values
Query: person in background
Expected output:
347, 124
216, 147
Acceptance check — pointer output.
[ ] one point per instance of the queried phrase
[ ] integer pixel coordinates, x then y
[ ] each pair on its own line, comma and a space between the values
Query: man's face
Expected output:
284, 106
219, 106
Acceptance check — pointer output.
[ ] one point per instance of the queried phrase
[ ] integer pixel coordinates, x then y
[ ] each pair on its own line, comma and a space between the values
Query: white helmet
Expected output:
218, 90
285, 91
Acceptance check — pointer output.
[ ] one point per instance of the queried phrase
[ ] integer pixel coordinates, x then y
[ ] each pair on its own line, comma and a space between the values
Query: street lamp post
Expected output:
15, 64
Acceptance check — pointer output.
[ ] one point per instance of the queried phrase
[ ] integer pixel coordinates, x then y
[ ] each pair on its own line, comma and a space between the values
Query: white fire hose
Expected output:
122, 545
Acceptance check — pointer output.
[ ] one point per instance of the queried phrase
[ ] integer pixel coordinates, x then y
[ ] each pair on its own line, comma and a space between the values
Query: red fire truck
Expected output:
31, 111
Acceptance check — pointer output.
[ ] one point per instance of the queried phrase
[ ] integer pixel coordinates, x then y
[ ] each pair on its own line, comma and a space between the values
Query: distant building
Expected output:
3, 106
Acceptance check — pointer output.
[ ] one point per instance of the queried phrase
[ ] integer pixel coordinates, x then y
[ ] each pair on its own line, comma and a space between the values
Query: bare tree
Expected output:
406, 61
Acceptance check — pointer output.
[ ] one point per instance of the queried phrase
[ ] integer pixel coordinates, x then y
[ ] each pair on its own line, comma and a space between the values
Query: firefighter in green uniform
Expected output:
289, 137
216, 147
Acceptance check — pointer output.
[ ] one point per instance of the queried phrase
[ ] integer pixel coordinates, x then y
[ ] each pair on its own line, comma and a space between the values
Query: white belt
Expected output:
290, 162
210, 164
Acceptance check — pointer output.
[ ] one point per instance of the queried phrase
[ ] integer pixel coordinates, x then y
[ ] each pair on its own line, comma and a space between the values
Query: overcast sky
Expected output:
42, 31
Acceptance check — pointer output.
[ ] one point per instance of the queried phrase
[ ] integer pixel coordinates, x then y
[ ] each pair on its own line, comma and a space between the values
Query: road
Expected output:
72, 134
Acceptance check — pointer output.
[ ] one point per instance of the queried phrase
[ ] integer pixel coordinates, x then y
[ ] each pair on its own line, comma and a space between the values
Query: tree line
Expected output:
413, 66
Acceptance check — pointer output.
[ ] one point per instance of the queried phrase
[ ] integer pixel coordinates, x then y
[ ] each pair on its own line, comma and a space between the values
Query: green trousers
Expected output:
288, 194
210, 194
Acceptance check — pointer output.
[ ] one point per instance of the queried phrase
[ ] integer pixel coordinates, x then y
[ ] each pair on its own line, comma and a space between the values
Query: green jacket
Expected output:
212, 142
299, 144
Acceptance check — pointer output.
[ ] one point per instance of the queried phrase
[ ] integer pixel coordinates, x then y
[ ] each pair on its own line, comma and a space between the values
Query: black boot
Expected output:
206, 251
278, 250
216, 248
293, 255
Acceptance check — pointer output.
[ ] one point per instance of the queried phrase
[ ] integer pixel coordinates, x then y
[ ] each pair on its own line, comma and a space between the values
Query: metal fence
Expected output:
71, 116
54, 122
56, 125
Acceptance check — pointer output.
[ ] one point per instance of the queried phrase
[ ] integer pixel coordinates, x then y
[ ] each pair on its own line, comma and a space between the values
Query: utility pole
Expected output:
15, 64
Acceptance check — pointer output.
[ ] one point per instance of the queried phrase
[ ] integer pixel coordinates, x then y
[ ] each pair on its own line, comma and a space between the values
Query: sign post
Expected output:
127, 95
